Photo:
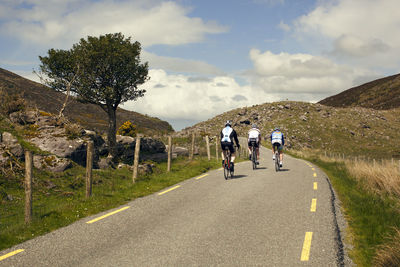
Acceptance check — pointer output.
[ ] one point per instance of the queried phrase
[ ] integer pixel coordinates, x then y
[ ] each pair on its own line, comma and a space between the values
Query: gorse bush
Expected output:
127, 129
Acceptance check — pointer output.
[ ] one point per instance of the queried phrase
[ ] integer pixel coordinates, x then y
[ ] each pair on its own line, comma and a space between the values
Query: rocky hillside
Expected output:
88, 115
353, 131
379, 94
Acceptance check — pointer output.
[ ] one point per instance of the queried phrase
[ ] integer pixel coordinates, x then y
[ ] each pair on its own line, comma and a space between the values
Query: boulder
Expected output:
20, 117
51, 163
12, 144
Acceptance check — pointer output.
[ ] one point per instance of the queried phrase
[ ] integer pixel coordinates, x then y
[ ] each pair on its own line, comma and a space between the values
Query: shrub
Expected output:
127, 129
73, 130
11, 102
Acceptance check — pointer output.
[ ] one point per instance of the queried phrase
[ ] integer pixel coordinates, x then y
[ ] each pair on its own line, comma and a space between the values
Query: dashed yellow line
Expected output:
168, 190
10, 254
313, 205
315, 185
313, 169
305, 253
315, 174
220, 169
106, 215
204, 175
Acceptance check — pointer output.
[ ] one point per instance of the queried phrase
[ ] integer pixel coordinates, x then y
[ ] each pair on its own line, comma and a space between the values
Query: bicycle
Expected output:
228, 174
253, 154
277, 159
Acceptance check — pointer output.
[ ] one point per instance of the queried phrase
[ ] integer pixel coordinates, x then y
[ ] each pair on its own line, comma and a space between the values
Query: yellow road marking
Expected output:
204, 175
305, 253
106, 215
10, 254
166, 191
315, 186
313, 169
220, 169
313, 205
315, 174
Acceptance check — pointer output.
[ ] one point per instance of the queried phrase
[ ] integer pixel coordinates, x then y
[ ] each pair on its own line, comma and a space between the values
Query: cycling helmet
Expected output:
228, 123
254, 126
277, 129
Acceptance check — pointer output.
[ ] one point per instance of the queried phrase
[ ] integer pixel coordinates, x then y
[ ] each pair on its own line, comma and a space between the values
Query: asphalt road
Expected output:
259, 218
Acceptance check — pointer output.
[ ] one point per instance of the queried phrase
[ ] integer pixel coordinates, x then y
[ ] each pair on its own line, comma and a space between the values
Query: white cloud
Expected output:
62, 23
361, 32
300, 76
181, 97
283, 26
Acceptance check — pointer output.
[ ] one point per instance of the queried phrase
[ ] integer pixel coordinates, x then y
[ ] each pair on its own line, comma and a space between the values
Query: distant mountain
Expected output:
379, 94
88, 115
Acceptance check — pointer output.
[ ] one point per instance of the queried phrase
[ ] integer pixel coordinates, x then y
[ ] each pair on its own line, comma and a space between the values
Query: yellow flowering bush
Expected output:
127, 129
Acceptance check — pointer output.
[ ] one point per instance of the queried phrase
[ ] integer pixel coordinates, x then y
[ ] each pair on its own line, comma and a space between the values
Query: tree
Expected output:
107, 71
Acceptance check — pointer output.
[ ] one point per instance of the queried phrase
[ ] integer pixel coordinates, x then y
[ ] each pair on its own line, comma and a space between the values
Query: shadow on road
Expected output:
284, 170
261, 168
239, 176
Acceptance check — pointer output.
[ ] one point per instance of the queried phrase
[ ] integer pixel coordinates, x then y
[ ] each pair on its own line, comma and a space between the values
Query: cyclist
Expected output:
278, 141
254, 136
228, 135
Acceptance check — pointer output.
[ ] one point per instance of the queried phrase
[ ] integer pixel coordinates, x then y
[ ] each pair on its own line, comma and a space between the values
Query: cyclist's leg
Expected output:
273, 151
232, 149
281, 154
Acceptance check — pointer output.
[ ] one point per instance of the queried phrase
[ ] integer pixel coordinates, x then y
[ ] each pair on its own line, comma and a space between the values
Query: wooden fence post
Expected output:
216, 147
136, 159
208, 148
169, 153
28, 186
192, 148
89, 167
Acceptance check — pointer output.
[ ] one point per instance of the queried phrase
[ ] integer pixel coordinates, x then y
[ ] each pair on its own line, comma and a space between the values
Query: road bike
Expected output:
253, 153
277, 158
228, 174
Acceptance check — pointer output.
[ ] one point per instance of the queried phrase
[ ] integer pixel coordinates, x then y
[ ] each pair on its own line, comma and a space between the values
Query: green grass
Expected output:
59, 199
371, 217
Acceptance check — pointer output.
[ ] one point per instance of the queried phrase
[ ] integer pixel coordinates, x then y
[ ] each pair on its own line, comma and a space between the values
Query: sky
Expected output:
207, 57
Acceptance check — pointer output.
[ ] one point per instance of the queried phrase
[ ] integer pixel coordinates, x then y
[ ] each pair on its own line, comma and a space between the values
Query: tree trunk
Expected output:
112, 131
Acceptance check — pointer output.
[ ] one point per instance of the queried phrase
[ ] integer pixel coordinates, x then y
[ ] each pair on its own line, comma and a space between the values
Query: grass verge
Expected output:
372, 217
59, 199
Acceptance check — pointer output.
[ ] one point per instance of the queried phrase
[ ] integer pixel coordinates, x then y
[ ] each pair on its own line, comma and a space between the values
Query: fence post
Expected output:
89, 167
28, 186
192, 148
208, 148
169, 153
216, 147
136, 159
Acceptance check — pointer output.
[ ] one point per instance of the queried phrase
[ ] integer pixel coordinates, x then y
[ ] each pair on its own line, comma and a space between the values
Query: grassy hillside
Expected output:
88, 115
379, 94
352, 131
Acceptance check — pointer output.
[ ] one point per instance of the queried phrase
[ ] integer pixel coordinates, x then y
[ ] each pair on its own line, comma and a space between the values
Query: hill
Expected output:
379, 94
352, 131
88, 115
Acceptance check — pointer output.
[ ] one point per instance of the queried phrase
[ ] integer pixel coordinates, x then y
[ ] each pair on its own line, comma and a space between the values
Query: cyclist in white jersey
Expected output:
277, 141
254, 136
228, 135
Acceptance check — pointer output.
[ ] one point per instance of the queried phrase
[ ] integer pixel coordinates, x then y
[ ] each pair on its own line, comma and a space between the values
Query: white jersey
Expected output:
254, 133
226, 132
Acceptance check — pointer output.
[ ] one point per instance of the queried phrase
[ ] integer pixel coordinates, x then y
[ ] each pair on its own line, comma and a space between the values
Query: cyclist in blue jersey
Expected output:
228, 135
277, 141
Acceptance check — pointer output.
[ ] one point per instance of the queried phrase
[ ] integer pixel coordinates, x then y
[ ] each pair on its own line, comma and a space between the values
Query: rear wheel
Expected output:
254, 157
277, 166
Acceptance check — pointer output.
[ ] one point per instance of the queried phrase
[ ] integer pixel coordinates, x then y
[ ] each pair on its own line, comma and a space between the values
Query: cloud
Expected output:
62, 23
284, 26
193, 99
359, 32
300, 76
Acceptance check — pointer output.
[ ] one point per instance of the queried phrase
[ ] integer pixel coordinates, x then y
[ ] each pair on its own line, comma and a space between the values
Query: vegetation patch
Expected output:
59, 198
372, 209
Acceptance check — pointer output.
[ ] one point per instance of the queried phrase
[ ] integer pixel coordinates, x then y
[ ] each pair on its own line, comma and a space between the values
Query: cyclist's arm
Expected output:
283, 140
235, 138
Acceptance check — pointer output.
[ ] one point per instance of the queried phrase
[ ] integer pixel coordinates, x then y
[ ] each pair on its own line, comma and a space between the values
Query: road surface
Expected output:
259, 218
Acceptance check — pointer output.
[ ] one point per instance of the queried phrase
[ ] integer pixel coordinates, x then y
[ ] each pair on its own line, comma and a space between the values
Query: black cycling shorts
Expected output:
253, 141
228, 145
278, 146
